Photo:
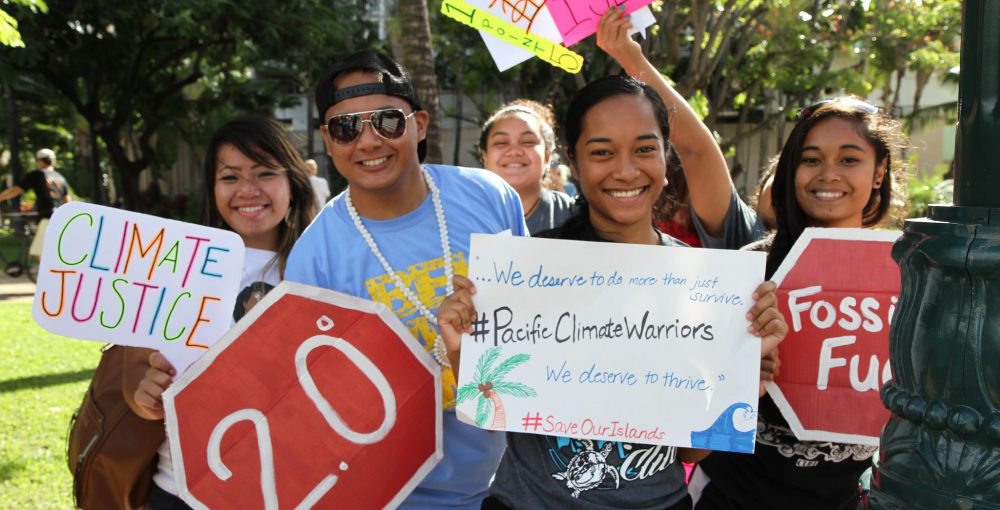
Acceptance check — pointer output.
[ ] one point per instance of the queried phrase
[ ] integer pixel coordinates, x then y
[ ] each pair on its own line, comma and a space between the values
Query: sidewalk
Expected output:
16, 289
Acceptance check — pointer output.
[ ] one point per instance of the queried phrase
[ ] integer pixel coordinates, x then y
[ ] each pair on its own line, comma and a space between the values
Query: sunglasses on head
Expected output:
389, 123
850, 102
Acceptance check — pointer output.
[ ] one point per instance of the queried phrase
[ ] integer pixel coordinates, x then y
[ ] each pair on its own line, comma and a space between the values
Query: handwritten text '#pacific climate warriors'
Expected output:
500, 326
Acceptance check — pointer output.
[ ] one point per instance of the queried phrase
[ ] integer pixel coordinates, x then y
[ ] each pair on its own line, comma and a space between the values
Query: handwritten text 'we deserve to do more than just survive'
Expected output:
699, 289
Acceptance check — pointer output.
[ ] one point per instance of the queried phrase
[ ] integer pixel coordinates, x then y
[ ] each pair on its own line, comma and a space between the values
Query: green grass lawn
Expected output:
10, 247
42, 380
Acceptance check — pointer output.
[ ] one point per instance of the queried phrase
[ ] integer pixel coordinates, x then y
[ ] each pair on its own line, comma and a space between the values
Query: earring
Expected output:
289, 220
878, 183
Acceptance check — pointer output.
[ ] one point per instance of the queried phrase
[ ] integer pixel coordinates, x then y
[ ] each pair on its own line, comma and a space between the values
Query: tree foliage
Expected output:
134, 70
9, 34
753, 62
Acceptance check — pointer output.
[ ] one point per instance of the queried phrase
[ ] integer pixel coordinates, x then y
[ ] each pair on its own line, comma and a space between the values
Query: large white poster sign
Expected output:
612, 341
133, 279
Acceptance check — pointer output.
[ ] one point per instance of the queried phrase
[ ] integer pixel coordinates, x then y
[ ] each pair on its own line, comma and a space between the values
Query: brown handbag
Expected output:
111, 451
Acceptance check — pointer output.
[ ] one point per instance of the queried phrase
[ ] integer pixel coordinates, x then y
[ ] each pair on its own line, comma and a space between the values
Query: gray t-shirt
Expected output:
559, 472
740, 227
554, 207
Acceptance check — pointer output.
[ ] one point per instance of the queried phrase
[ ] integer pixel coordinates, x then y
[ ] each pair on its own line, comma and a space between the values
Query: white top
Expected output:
260, 275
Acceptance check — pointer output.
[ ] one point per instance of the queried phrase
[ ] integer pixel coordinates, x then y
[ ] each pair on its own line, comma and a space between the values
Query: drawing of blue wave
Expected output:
724, 434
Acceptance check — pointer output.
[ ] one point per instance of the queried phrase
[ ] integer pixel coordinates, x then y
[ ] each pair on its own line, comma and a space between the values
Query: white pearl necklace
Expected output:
438, 351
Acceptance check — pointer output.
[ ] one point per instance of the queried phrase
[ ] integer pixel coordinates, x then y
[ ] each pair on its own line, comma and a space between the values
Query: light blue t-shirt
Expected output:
332, 254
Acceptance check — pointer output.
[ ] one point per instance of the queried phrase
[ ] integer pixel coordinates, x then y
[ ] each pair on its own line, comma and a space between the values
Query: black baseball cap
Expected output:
395, 81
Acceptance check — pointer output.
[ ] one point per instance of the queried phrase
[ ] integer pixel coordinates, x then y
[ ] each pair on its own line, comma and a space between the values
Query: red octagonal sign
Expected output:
313, 399
837, 289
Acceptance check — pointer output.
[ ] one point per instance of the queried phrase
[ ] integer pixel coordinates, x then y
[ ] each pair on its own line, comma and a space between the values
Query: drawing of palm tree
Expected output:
488, 383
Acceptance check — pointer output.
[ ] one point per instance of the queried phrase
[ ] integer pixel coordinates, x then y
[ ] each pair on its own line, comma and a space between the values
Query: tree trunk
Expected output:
458, 114
97, 175
499, 414
14, 137
895, 94
418, 57
923, 77
310, 106
128, 171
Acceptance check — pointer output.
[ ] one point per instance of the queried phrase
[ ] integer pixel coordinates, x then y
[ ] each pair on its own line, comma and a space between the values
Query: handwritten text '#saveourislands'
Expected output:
127, 269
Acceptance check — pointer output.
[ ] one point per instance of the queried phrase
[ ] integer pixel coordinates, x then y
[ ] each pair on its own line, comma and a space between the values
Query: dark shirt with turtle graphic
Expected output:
557, 472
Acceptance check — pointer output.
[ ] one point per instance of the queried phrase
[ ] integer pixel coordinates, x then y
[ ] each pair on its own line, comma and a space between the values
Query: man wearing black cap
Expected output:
399, 233
51, 191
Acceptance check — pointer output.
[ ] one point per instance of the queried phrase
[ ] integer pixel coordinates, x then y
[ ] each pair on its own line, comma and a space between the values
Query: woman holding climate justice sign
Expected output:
257, 186
621, 167
836, 170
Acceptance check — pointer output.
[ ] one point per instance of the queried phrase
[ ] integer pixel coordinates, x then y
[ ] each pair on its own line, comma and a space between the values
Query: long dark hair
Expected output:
546, 119
266, 142
881, 131
674, 196
589, 96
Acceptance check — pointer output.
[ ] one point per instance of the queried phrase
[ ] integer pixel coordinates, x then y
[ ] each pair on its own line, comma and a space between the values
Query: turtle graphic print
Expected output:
583, 465
588, 469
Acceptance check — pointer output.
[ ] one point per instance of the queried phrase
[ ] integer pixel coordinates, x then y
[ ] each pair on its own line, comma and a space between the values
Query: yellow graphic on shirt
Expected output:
426, 280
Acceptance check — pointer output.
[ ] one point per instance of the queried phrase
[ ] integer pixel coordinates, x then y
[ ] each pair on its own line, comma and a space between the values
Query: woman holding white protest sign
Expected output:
256, 185
518, 143
621, 167
838, 169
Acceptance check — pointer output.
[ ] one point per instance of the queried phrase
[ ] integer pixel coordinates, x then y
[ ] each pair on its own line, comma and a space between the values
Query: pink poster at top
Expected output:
577, 19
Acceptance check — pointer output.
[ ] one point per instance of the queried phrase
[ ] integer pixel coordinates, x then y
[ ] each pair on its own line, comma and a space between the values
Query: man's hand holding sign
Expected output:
611, 341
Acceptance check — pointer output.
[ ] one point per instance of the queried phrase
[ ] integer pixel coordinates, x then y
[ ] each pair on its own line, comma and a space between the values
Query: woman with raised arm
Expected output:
708, 201
621, 167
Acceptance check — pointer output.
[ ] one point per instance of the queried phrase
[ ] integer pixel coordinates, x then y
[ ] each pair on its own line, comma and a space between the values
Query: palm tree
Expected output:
417, 54
489, 384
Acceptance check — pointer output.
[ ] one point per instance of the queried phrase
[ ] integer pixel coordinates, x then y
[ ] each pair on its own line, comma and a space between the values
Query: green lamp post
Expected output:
940, 449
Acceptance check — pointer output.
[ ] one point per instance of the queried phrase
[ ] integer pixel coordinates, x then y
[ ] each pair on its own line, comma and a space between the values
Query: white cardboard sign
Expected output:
133, 279
536, 19
611, 341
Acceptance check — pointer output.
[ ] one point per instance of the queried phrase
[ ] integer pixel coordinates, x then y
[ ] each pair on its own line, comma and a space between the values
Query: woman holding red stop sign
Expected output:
838, 169
257, 186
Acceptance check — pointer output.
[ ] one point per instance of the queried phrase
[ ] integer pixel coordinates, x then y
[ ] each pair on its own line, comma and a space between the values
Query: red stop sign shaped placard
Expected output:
314, 398
837, 289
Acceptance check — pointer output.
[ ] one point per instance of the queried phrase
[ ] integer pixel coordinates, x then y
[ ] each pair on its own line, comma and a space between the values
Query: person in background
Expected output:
50, 187
51, 191
672, 211
255, 184
518, 143
558, 178
762, 202
319, 184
